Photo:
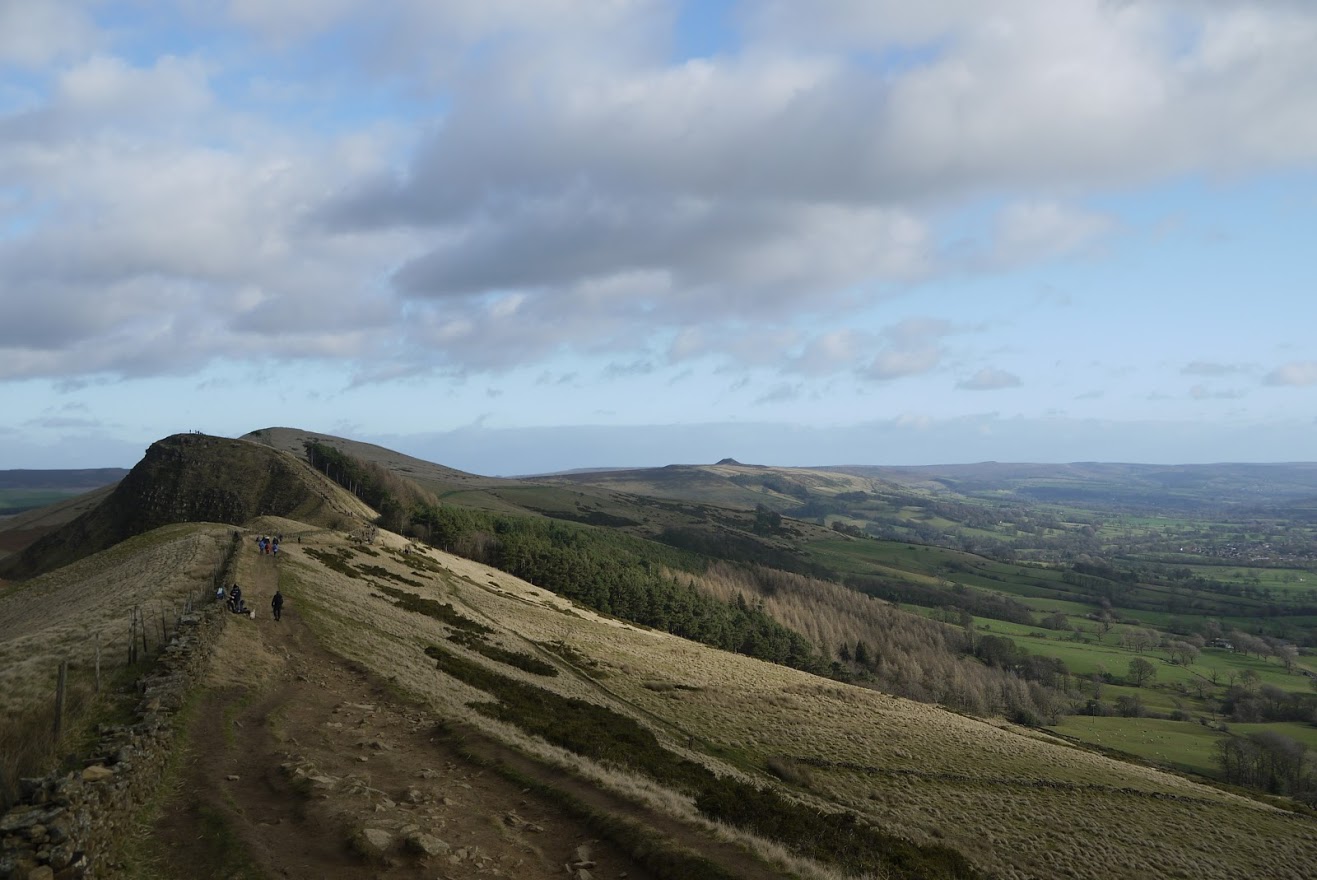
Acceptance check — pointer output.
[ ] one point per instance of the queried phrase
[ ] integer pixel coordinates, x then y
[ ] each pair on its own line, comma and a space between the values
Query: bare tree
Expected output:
1289, 656
1141, 671
1182, 653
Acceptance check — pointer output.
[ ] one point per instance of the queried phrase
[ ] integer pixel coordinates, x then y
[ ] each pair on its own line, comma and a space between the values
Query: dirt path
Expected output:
300, 764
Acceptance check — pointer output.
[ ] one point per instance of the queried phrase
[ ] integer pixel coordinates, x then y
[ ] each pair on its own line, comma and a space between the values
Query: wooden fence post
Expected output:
59, 697
98, 663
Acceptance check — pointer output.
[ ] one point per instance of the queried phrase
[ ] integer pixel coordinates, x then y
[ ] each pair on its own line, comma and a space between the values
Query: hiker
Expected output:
219, 593
277, 604
236, 605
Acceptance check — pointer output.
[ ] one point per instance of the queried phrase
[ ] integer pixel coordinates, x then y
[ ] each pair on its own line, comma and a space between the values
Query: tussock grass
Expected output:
65, 614
587, 665
440, 611
653, 852
27, 741
583, 727
602, 734
840, 838
518, 659
1018, 803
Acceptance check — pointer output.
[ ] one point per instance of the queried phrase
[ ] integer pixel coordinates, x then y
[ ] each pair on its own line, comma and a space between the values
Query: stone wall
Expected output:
65, 822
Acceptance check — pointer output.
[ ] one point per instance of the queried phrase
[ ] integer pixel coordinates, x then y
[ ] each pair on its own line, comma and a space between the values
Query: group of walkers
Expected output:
232, 599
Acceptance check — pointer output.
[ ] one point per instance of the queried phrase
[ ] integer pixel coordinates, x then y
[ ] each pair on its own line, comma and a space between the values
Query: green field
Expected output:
1185, 745
1296, 730
18, 500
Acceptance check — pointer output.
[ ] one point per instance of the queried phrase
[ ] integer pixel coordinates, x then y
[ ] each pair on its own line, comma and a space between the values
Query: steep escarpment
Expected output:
193, 478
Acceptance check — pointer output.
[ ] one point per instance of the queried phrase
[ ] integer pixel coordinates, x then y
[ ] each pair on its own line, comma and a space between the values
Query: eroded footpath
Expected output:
299, 764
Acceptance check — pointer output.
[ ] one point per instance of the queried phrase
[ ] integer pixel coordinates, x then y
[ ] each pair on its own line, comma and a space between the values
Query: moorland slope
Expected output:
367, 734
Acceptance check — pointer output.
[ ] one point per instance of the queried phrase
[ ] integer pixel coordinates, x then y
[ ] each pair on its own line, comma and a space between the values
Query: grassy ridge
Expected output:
601, 734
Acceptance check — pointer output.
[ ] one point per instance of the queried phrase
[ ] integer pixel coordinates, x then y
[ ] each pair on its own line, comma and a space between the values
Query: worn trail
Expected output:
300, 764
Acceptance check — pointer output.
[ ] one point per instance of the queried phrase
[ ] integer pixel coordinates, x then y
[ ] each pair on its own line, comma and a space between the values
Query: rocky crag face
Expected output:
191, 478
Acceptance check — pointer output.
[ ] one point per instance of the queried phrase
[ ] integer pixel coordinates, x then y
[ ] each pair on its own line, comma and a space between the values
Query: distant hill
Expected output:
68, 480
20, 530
24, 490
192, 478
426, 473
1109, 483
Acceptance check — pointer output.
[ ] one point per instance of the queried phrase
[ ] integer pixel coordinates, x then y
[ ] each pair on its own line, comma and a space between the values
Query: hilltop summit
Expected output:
193, 478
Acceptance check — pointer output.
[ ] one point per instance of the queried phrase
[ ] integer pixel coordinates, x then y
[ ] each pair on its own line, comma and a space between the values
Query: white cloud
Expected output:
832, 352
573, 189
1296, 373
1202, 392
898, 363
36, 32
149, 236
1214, 369
783, 392
1028, 232
989, 379
909, 348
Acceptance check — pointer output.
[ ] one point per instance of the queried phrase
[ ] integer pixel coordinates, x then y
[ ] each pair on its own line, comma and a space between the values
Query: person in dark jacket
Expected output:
277, 604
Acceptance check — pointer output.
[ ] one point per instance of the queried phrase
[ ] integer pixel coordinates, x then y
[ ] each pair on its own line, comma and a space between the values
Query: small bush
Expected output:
840, 839
339, 561
382, 572
597, 732
790, 771
579, 726
587, 665
518, 659
440, 611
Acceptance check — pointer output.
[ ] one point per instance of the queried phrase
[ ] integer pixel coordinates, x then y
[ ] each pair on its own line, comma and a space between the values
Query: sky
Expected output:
517, 237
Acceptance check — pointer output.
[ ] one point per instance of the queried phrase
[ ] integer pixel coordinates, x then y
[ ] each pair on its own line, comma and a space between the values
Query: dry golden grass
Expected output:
67, 614
1020, 804
62, 615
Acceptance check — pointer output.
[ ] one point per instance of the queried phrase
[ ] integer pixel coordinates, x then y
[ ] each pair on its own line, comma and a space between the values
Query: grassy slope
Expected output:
61, 615
1019, 804
691, 497
1025, 806
19, 532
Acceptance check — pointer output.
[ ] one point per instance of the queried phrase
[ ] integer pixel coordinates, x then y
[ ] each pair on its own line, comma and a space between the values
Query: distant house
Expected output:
1222, 643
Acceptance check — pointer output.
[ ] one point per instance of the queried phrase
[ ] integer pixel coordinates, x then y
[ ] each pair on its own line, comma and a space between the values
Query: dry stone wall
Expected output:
65, 823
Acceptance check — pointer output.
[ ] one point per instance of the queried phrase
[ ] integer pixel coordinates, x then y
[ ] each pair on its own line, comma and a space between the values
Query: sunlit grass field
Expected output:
1184, 744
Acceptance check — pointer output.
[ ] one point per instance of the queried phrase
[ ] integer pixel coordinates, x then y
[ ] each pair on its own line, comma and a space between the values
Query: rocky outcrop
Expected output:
188, 478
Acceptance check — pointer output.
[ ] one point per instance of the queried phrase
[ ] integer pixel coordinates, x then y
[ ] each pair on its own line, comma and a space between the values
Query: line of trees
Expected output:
389, 494
616, 574
1270, 762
